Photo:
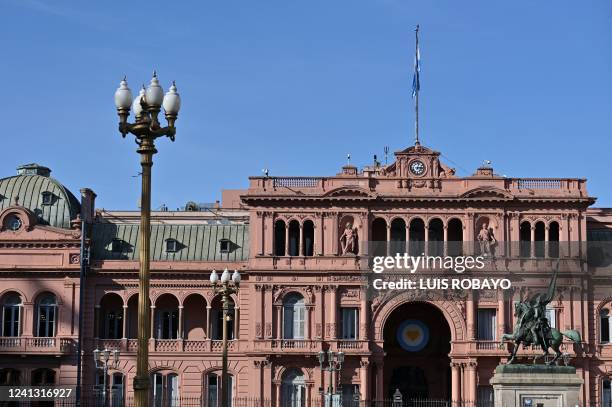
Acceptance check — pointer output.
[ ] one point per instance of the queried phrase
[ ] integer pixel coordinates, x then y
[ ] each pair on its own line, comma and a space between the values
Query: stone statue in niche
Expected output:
348, 240
486, 240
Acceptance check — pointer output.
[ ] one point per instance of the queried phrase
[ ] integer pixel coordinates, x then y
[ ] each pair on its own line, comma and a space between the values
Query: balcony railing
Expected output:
36, 345
166, 345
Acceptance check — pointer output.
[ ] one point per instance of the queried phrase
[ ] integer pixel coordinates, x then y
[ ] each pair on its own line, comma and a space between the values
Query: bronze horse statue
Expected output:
532, 327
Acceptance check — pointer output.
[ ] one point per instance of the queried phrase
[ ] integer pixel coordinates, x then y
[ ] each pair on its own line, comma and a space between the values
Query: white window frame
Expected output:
16, 311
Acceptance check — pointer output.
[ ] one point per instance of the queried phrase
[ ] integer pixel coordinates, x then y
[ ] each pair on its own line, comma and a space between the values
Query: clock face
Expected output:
13, 222
417, 167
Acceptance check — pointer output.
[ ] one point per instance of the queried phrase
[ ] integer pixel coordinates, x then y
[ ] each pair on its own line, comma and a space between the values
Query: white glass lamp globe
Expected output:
137, 106
214, 277
154, 93
225, 277
236, 277
172, 101
123, 95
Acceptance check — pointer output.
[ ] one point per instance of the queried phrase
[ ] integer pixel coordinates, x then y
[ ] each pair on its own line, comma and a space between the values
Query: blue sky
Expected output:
294, 86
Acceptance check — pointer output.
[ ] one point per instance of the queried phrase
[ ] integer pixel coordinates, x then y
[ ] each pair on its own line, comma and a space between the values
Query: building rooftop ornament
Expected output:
33, 169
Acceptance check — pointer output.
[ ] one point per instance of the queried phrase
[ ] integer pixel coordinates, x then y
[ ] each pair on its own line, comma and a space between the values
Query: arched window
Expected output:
11, 315
398, 236
216, 319
525, 239
308, 232
111, 316
43, 377
417, 237
46, 316
294, 314
165, 389
279, 238
455, 237
436, 238
167, 318
540, 238
213, 389
605, 325
10, 377
379, 237
293, 389
553, 240
294, 238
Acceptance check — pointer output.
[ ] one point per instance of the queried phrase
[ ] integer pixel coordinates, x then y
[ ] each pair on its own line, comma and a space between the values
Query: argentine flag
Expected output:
416, 85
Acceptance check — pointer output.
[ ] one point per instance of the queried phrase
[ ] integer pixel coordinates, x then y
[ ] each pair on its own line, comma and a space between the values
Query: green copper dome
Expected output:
35, 189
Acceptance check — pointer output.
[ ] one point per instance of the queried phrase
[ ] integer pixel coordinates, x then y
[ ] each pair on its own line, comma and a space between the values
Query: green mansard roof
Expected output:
194, 242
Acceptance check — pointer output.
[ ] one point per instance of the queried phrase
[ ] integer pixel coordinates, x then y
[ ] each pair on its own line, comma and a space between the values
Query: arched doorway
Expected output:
417, 343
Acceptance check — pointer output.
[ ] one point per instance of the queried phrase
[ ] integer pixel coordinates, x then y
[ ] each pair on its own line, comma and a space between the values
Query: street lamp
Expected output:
146, 129
101, 360
229, 285
334, 364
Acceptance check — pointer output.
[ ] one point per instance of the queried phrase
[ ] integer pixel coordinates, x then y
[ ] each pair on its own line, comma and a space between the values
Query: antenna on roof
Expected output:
348, 159
386, 155
266, 172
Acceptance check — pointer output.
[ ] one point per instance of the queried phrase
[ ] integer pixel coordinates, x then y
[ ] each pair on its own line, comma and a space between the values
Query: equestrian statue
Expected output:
532, 326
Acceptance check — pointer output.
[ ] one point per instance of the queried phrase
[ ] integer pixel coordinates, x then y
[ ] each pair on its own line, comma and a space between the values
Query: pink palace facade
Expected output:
299, 294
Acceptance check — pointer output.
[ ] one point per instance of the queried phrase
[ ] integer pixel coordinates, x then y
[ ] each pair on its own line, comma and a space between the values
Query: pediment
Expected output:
350, 192
487, 192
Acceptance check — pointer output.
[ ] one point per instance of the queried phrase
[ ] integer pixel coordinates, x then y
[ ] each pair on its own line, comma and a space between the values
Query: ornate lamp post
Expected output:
101, 360
225, 289
146, 129
334, 364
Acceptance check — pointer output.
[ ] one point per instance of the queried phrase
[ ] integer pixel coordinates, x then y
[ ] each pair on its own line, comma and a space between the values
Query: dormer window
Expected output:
172, 245
117, 245
224, 245
47, 198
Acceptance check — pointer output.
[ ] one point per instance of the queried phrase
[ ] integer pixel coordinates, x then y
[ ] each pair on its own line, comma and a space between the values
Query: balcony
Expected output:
167, 345
34, 346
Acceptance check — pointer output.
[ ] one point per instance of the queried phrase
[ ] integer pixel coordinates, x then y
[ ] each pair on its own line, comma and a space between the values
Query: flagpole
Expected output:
416, 104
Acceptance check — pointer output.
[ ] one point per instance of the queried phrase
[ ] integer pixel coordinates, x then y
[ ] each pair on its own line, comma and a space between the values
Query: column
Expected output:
333, 311
471, 316
208, 324
125, 313
380, 391
180, 322
286, 239
152, 321
301, 242
279, 322
364, 237
531, 246
262, 232
407, 236
426, 238
97, 321
268, 312
319, 229
258, 320
321, 303
388, 239
546, 236
277, 391
363, 315
470, 369
334, 234
445, 240
363, 379
455, 381
501, 314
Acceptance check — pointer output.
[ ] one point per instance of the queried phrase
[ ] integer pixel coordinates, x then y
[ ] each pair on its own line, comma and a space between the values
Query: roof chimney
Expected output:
88, 205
